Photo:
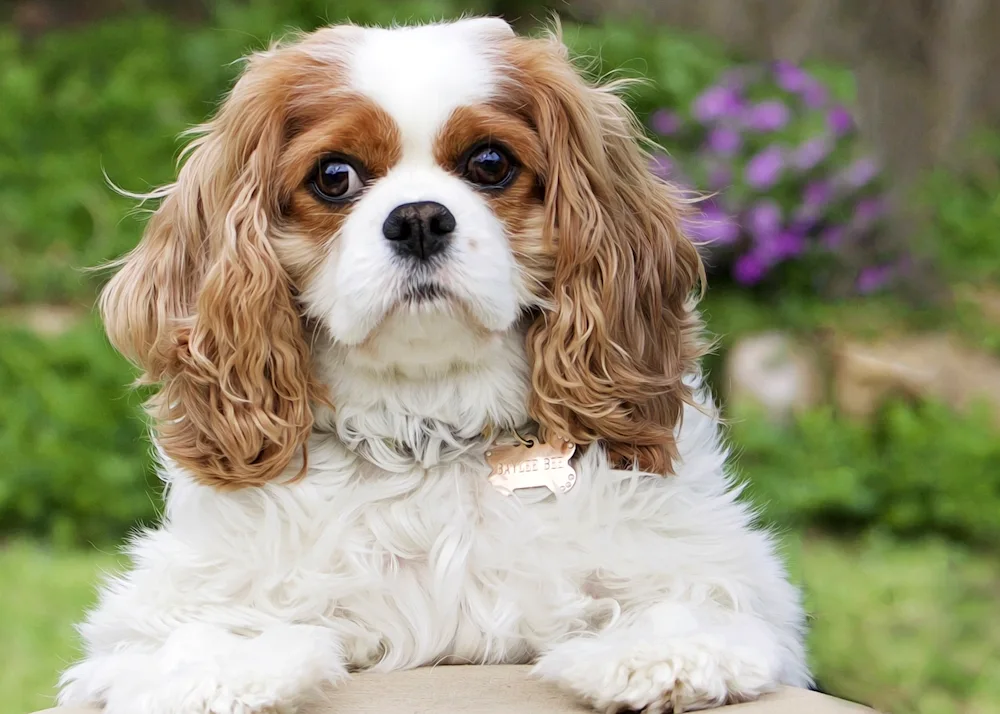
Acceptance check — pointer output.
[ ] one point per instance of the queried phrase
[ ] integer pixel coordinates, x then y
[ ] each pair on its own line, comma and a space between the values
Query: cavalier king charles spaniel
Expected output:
423, 325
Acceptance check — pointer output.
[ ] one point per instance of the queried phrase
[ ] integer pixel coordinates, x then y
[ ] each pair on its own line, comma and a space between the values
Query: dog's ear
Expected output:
611, 351
204, 308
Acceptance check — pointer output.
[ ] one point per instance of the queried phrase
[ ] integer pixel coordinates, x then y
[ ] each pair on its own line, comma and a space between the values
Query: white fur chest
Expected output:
428, 565
353, 567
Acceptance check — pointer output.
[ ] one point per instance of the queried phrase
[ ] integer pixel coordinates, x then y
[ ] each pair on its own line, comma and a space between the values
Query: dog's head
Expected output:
360, 181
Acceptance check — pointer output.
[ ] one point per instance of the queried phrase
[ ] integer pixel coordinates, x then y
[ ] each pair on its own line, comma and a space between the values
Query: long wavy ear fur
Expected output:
610, 353
203, 307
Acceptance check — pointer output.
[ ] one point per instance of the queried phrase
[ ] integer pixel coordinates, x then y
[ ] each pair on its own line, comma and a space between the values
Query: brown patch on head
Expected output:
518, 205
350, 126
353, 126
205, 305
619, 333
472, 125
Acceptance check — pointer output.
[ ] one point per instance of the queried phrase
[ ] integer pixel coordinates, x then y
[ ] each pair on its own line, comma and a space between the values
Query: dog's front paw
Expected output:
693, 672
205, 670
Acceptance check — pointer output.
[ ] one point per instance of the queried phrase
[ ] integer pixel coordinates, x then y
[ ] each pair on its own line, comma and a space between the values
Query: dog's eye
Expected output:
336, 179
489, 166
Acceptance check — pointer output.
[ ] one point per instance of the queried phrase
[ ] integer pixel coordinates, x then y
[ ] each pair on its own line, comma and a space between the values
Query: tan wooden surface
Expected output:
507, 690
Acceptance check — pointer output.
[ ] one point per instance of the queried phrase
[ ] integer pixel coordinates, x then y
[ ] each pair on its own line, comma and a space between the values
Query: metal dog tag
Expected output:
532, 464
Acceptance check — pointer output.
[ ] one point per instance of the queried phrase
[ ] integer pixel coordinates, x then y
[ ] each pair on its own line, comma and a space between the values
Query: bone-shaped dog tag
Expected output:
532, 464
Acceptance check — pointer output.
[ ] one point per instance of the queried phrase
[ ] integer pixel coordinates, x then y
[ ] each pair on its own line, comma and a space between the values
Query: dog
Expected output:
399, 271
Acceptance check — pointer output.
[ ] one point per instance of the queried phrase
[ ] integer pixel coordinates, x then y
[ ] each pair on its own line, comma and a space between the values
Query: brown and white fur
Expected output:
329, 385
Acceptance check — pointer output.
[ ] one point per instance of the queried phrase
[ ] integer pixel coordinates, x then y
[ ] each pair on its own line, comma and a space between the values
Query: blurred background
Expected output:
851, 150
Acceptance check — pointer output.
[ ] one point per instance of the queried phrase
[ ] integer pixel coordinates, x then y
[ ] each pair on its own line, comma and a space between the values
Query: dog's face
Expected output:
452, 180
413, 196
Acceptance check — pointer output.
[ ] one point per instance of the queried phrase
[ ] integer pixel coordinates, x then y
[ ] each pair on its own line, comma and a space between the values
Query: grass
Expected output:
910, 628
42, 594
906, 627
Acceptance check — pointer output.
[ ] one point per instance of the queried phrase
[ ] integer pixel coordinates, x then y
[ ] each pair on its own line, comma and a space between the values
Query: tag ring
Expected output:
529, 442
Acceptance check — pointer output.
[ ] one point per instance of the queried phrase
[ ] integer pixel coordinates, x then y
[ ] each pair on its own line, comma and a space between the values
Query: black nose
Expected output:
420, 230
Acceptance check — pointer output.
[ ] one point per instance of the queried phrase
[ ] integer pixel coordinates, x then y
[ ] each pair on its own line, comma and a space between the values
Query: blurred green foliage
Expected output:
961, 212
112, 97
667, 68
917, 469
75, 464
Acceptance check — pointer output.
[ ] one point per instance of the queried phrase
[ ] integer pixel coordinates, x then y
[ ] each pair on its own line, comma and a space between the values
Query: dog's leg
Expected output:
672, 657
187, 632
707, 612
204, 669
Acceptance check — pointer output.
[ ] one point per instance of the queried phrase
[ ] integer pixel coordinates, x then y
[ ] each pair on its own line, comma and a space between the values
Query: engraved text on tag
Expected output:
532, 465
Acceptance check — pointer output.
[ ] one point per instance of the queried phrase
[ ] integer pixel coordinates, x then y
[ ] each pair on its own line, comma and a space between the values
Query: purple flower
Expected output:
804, 219
814, 94
764, 169
744, 148
811, 153
764, 219
860, 173
749, 269
790, 78
817, 194
874, 278
840, 121
832, 237
770, 115
867, 212
665, 123
807, 215
787, 244
713, 226
715, 103
797, 81
779, 245
815, 198
720, 176
724, 141
869, 209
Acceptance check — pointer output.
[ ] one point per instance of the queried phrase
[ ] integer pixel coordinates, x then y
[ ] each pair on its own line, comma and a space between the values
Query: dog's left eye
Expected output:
489, 166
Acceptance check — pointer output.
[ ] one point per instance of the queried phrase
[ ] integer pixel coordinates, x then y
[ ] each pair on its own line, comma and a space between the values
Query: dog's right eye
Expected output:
336, 179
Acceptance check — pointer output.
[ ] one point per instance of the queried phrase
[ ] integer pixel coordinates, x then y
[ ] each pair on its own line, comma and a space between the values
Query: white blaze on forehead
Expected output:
420, 75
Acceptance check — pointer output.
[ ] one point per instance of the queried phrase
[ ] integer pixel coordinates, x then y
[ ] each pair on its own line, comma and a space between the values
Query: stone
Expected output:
43, 320
931, 366
775, 373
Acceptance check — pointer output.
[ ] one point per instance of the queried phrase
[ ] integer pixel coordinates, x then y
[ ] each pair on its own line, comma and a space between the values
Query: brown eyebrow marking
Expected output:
470, 124
349, 124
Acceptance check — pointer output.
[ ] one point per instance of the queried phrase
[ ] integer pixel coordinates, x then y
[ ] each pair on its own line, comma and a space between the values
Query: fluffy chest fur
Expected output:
397, 568
432, 564
416, 566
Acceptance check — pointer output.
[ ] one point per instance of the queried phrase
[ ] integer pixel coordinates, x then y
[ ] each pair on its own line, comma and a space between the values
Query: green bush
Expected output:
670, 68
916, 469
961, 212
75, 465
